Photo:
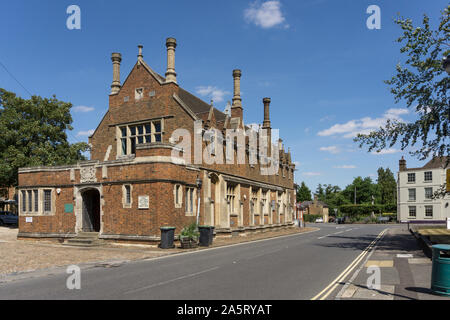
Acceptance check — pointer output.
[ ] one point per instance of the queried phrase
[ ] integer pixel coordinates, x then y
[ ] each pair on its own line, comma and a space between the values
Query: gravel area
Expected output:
24, 255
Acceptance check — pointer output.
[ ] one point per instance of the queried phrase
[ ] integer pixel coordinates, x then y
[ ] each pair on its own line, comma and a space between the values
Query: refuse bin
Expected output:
440, 274
206, 233
211, 236
167, 236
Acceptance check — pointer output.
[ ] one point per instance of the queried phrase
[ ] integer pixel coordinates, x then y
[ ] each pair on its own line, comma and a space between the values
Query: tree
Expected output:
422, 84
365, 189
303, 193
32, 133
320, 192
387, 186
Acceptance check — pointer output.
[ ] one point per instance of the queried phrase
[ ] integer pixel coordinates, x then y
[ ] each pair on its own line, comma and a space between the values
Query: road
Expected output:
291, 267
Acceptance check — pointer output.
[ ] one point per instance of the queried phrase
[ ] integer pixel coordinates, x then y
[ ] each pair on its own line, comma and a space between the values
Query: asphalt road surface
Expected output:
290, 267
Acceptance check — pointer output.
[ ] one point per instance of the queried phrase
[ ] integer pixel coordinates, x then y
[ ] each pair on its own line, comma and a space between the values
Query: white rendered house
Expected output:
415, 186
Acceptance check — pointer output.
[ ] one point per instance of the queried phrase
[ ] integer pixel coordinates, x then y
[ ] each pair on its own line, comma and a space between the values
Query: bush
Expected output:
190, 231
311, 217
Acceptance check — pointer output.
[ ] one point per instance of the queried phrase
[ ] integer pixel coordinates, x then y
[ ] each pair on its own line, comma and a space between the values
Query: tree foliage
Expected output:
32, 133
303, 193
422, 84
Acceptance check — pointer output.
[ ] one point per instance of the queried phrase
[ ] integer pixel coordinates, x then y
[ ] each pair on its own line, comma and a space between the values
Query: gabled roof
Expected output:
198, 106
435, 163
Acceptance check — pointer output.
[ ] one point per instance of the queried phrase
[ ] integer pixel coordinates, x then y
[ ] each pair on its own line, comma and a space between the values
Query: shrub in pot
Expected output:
189, 236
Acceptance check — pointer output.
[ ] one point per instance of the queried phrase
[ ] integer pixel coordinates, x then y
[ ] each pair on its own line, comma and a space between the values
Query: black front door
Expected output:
91, 211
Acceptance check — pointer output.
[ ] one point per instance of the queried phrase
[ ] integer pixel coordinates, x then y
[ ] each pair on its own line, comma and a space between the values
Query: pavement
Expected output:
405, 271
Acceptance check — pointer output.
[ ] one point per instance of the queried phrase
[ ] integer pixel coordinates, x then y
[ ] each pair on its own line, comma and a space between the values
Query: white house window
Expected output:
428, 176
411, 177
412, 211
139, 93
429, 211
132, 135
412, 194
190, 200
47, 201
428, 193
231, 199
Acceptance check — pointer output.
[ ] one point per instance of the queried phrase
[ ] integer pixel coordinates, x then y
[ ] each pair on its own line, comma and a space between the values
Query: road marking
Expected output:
172, 280
332, 286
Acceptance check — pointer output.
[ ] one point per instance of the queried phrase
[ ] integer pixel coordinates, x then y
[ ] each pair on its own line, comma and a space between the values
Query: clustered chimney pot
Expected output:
171, 75
116, 58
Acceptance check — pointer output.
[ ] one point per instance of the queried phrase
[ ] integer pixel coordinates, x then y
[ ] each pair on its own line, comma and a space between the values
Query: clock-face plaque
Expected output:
143, 202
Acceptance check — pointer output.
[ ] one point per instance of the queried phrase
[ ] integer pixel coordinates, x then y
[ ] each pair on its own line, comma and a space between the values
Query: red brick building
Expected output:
140, 177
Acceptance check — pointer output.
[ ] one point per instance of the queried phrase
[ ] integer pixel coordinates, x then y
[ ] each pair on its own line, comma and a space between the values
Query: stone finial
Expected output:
171, 75
116, 58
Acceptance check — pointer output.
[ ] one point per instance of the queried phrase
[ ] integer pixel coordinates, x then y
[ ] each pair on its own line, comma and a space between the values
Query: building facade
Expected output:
146, 170
416, 187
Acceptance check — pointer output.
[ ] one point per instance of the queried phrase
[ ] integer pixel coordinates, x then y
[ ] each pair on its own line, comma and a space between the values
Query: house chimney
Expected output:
266, 123
236, 107
140, 56
171, 44
402, 164
116, 58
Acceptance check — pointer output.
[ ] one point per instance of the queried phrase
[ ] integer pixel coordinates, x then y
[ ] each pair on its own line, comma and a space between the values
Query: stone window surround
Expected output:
124, 196
119, 135
40, 211
178, 202
188, 203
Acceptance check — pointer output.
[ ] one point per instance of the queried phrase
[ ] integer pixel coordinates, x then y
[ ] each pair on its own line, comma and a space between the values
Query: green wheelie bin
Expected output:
440, 274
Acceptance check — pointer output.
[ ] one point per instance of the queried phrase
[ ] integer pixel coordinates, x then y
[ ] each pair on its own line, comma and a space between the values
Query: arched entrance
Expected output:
90, 210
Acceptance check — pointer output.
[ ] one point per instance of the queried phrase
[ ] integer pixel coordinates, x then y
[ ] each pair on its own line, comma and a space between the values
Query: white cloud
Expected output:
215, 93
85, 133
364, 125
330, 149
386, 151
345, 166
82, 109
265, 15
311, 174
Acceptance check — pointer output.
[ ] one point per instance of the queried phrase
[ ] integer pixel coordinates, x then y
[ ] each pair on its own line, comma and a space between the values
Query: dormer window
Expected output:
139, 93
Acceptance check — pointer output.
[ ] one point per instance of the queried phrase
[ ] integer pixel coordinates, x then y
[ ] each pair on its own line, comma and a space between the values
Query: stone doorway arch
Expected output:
89, 209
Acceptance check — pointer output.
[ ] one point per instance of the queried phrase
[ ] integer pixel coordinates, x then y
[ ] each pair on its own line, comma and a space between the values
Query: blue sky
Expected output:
316, 59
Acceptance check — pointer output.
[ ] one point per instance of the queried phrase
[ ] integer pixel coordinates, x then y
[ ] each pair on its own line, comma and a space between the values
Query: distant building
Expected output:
315, 207
415, 189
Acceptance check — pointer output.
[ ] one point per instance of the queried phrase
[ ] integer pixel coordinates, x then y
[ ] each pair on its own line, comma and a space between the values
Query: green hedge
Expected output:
366, 209
311, 217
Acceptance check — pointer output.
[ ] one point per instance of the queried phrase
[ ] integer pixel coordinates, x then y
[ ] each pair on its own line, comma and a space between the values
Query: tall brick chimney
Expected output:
171, 75
140, 56
236, 107
266, 123
116, 58
402, 164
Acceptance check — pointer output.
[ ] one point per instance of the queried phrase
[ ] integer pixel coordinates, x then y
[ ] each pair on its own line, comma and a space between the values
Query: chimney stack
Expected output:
237, 101
116, 58
402, 164
140, 56
171, 44
266, 123
236, 107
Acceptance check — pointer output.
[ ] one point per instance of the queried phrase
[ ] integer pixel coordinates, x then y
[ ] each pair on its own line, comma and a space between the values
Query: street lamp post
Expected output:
199, 183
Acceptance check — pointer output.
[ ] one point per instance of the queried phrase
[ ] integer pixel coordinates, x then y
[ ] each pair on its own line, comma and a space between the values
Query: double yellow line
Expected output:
332, 286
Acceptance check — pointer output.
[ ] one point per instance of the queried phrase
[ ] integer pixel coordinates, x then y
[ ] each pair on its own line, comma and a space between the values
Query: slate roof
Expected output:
306, 204
435, 163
